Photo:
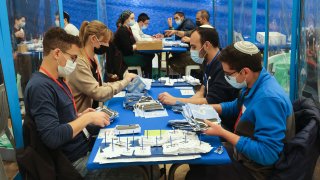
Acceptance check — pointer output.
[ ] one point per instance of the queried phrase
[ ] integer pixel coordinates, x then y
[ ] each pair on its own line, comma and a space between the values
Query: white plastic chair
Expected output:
136, 68
190, 68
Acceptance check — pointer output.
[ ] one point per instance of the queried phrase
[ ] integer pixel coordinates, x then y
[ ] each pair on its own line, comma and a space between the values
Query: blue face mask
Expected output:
195, 56
232, 80
144, 27
131, 23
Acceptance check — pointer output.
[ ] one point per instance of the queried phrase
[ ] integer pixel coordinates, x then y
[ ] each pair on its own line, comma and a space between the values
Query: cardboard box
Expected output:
22, 48
275, 38
149, 45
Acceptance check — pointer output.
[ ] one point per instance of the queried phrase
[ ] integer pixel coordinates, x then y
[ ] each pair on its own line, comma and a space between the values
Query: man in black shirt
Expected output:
49, 101
184, 24
204, 44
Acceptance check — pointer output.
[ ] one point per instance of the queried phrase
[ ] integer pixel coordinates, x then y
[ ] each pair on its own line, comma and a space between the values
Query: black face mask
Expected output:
198, 23
101, 50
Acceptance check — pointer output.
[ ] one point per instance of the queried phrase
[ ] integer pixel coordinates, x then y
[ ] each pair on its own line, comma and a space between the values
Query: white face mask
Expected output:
178, 22
22, 24
68, 69
144, 27
57, 22
232, 80
131, 23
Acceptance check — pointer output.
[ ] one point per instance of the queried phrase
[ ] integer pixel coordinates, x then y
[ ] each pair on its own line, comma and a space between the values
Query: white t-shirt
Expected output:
71, 29
138, 34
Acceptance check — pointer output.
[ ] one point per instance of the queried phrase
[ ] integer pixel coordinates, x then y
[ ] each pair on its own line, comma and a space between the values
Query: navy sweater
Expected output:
52, 109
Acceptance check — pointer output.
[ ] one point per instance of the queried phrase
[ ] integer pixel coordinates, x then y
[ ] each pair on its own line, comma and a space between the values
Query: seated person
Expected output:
115, 67
202, 20
183, 23
19, 34
141, 24
265, 117
86, 81
125, 42
68, 27
50, 104
215, 89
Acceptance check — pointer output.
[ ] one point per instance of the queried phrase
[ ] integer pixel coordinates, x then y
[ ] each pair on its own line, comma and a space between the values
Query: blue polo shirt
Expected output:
52, 109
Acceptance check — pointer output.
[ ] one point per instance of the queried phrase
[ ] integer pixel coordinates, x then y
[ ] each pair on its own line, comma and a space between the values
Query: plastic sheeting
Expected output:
309, 59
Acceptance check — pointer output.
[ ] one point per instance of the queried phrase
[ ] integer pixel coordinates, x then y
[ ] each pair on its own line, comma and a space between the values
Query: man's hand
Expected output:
158, 36
170, 32
86, 111
100, 119
19, 34
166, 98
129, 76
214, 129
170, 22
185, 39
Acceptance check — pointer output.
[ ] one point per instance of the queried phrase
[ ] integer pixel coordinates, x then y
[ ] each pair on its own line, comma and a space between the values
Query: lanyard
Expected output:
62, 87
94, 61
240, 109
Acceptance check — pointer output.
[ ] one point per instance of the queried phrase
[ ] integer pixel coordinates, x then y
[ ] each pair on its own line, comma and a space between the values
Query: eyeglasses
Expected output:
228, 75
73, 57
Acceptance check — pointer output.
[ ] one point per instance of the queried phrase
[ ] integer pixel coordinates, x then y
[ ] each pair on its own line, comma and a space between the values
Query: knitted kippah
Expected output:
246, 47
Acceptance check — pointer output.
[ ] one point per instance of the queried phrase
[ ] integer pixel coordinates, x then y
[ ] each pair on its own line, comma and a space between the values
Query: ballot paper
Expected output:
186, 92
120, 94
191, 80
147, 82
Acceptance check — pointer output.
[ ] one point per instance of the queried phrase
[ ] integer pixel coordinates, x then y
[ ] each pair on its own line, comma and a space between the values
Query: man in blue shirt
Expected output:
264, 115
183, 23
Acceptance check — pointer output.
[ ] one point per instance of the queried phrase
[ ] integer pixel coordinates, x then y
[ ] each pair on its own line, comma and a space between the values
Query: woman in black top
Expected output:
126, 43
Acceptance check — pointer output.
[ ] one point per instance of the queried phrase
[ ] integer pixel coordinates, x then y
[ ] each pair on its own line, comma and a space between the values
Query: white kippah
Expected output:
246, 47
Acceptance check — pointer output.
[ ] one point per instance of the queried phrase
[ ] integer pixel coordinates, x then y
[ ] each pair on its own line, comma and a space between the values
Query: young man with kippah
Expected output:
264, 117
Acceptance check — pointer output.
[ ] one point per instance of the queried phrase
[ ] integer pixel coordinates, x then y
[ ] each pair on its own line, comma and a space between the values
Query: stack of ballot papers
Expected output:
191, 80
171, 142
169, 81
196, 114
147, 107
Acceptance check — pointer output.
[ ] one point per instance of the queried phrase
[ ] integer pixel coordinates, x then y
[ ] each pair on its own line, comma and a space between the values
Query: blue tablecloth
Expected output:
176, 84
165, 49
127, 117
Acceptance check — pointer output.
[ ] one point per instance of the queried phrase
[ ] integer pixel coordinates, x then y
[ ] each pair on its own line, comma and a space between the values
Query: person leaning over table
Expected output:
264, 117
51, 106
215, 89
125, 42
202, 20
86, 82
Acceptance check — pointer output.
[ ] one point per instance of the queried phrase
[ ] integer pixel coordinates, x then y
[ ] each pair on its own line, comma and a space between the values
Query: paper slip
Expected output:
120, 94
109, 132
155, 132
186, 92
167, 48
169, 83
155, 114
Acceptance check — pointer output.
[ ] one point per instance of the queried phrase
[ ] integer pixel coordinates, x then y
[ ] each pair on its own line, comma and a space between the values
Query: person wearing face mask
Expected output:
86, 81
126, 43
19, 24
183, 23
68, 27
264, 112
202, 20
215, 89
50, 104
141, 24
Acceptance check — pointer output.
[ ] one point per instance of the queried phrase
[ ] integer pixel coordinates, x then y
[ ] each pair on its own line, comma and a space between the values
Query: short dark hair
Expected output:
181, 14
238, 60
58, 38
143, 17
66, 16
205, 14
208, 34
19, 16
